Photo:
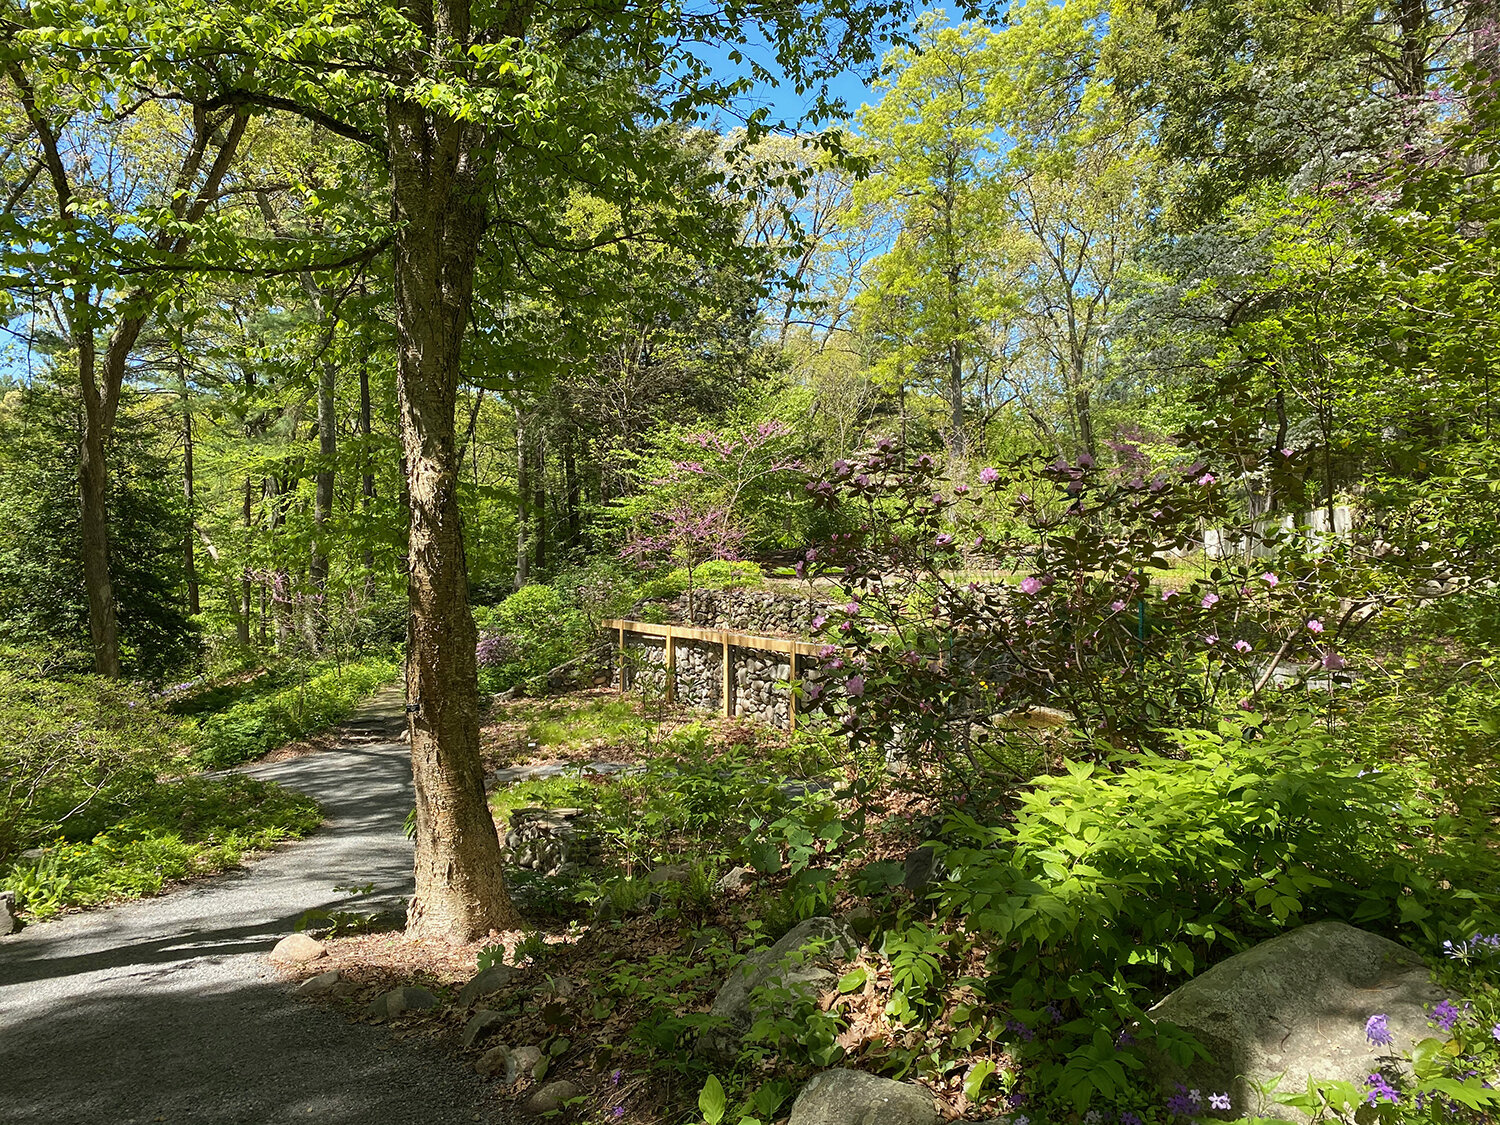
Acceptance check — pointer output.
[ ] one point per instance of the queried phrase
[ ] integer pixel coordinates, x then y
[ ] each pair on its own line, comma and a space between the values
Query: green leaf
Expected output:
711, 1102
854, 978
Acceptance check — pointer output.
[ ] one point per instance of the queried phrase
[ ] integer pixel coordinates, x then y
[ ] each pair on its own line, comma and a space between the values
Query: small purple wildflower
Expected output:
1129, 1118
1054, 1013
1219, 1102
1495, 1033
1184, 1102
1380, 1088
1376, 1031
1016, 1027
1445, 1015
617, 1112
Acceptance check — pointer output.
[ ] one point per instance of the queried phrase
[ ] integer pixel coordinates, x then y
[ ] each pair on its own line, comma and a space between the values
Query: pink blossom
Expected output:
1269, 579
978, 542
1030, 585
1168, 595
1242, 646
819, 621
1211, 639
989, 475
852, 609
944, 540
1117, 606
855, 686
1207, 478
827, 650
1333, 662
1210, 600
1314, 626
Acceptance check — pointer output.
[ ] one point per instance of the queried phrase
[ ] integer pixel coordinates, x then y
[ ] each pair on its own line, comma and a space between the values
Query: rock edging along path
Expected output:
167, 1010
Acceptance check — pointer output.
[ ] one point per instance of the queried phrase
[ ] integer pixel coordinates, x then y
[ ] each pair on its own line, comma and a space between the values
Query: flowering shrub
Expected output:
937, 659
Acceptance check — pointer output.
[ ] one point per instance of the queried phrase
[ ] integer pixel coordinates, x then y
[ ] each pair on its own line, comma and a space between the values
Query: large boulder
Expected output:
1297, 1006
798, 967
852, 1097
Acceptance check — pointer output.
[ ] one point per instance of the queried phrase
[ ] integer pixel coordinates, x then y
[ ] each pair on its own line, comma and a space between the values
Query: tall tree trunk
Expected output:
438, 197
539, 501
328, 449
523, 503
570, 483
93, 491
188, 550
247, 594
958, 439
367, 484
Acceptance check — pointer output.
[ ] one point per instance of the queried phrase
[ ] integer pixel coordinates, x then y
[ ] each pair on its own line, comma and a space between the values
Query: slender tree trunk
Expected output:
570, 482
188, 549
247, 595
539, 502
523, 504
93, 490
438, 204
328, 448
367, 484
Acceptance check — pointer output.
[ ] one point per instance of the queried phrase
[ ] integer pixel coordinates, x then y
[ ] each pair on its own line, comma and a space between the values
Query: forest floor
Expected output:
167, 1010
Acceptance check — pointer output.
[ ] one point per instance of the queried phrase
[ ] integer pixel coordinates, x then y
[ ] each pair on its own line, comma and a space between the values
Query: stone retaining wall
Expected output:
758, 678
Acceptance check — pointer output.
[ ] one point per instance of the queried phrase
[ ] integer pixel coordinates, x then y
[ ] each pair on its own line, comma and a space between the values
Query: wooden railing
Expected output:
671, 634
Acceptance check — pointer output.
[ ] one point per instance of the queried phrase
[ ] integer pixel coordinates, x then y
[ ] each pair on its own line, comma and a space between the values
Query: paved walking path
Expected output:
166, 1010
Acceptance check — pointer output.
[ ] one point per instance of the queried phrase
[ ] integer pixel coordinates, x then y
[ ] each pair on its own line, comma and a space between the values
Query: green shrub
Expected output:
715, 574
527, 635
176, 829
291, 705
1120, 879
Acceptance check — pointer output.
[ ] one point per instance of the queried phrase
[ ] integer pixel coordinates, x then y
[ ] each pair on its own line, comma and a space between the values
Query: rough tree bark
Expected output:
438, 203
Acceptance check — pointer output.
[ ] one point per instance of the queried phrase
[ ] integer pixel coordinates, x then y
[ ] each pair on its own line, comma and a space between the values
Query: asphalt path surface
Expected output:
166, 1009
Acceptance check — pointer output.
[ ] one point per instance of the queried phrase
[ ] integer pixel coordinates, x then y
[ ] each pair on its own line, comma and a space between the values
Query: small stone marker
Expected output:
550, 1098
399, 1000
298, 949
480, 1024
485, 982
498, 1062
8, 922
318, 985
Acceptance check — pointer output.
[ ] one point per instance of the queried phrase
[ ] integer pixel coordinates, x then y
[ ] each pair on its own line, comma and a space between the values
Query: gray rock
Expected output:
481, 1023
298, 949
669, 873
485, 982
922, 867
526, 1059
321, 984
8, 922
852, 1097
861, 920
797, 967
1296, 1006
550, 1098
398, 1001
498, 1062
733, 879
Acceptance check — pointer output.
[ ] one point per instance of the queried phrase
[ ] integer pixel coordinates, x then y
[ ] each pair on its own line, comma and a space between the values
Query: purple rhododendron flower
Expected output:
989, 476
1376, 1031
1269, 579
819, 621
1207, 478
1242, 646
852, 609
1168, 595
1333, 662
1211, 639
944, 540
1030, 585
1210, 600
1117, 606
855, 686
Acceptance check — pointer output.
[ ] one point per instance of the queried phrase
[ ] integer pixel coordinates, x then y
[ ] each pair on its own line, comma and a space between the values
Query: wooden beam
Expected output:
671, 688
728, 683
717, 636
791, 698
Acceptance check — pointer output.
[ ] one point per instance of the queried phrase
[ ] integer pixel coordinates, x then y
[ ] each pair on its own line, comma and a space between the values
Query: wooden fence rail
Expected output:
727, 641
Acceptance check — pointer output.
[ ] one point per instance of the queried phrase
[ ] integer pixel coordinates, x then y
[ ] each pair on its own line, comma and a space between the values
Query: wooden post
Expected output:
622, 658
728, 683
791, 698
671, 688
